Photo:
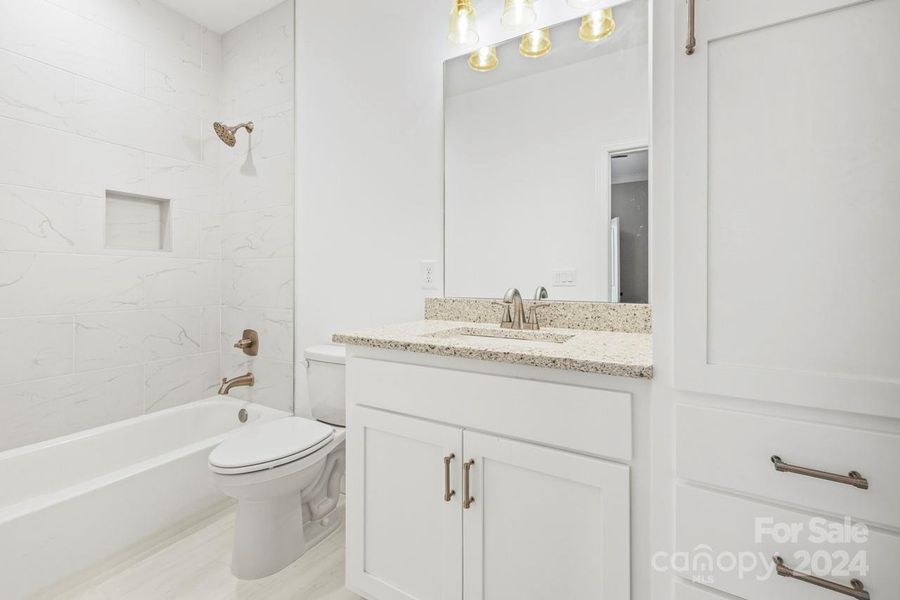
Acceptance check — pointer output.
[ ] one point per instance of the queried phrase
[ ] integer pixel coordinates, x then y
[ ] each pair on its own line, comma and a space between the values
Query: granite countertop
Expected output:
603, 352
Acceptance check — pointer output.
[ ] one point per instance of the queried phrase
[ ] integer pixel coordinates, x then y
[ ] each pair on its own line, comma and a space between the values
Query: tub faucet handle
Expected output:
249, 343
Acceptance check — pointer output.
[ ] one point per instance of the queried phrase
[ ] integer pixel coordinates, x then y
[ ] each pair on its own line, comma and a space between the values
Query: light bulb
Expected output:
597, 26
582, 4
518, 14
462, 23
484, 59
535, 43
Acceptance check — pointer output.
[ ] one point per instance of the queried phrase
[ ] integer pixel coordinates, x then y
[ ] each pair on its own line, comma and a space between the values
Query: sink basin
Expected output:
517, 337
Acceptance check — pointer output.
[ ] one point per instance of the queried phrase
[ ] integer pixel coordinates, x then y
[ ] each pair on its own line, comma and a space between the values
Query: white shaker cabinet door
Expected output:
404, 534
543, 524
786, 185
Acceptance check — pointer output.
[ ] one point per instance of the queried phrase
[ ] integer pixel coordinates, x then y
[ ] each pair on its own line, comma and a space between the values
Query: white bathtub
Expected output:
70, 502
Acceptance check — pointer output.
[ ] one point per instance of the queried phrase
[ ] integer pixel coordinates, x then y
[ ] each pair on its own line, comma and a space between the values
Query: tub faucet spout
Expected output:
240, 381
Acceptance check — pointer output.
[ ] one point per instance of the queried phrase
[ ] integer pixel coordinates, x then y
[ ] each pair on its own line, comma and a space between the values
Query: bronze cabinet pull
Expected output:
691, 40
856, 588
852, 478
448, 493
467, 469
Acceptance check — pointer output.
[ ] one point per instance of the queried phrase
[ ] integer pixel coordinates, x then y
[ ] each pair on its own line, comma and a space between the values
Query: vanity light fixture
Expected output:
462, 23
536, 43
484, 59
518, 14
597, 26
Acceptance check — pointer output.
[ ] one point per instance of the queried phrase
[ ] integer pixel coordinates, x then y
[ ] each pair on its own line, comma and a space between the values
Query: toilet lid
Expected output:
270, 441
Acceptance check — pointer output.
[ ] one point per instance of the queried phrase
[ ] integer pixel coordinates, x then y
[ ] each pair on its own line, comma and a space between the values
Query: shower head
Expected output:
226, 133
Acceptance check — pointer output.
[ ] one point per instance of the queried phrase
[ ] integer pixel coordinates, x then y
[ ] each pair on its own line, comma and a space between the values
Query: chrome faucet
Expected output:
518, 320
514, 310
240, 381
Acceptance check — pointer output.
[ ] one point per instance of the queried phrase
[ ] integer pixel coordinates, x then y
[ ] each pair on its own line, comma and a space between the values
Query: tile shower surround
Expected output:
107, 95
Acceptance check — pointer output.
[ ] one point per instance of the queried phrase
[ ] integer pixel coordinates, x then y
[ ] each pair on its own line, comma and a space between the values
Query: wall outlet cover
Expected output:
428, 274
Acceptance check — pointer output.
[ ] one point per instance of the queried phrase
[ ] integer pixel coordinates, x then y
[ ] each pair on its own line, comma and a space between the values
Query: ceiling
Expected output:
221, 15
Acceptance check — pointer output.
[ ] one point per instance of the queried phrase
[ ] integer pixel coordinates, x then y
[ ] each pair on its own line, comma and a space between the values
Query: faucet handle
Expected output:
506, 321
533, 313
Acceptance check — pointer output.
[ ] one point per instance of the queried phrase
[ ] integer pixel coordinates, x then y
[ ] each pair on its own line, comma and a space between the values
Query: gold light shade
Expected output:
536, 43
582, 4
462, 23
597, 26
518, 14
484, 59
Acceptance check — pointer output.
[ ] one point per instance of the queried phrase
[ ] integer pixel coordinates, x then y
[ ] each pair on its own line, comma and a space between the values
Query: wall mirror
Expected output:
546, 162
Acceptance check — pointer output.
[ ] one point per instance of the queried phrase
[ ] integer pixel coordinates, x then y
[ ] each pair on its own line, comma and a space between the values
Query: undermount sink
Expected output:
513, 336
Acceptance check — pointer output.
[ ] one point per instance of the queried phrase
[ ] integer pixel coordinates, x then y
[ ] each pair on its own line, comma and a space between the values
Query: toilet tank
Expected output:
325, 383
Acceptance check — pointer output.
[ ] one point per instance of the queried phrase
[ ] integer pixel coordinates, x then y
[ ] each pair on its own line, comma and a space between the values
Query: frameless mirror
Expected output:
546, 162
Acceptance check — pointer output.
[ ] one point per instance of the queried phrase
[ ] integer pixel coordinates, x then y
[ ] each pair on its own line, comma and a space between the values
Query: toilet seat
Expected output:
266, 445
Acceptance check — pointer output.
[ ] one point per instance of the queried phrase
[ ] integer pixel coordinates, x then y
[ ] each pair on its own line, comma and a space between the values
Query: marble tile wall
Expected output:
258, 197
97, 95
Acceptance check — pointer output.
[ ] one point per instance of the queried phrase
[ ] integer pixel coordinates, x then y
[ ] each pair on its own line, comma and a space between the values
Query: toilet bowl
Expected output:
286, 475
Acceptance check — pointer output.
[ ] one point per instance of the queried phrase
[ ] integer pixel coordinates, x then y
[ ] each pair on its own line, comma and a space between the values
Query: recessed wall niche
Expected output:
136, 222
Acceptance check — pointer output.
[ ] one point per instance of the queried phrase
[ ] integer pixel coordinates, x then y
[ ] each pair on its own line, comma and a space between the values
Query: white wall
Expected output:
97, 95
258, 204
524, 175
369, 164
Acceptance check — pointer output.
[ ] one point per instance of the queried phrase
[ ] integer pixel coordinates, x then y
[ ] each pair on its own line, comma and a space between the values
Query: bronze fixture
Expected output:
240, 381
691, 46
448, 493
856, 588
468, 500
249, 342
226, 133
852, 478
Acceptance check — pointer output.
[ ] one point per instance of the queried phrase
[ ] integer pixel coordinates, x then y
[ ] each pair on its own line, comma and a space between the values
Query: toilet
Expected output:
286, 474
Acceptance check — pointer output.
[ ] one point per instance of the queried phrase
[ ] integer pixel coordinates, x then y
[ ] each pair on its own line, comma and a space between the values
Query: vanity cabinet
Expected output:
542, 521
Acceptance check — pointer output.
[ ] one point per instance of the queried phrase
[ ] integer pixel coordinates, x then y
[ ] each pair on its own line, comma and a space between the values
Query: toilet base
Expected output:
268, 536
266, 542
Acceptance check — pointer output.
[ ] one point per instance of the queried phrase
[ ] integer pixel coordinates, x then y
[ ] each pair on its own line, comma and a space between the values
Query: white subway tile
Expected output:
158, 27
53, 160
269, 183
49, 408
263, 233
36, 220
258, 282
175, 382
35, 348
47, 33
173, 282
190, 186
106, 340
181, 84
39, 284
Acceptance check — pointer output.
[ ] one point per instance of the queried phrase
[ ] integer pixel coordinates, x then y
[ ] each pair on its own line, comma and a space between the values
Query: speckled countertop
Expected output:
604, 352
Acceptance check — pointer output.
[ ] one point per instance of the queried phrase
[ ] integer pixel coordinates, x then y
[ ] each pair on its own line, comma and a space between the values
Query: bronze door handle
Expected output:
852, 478
448, 493
856, 588
468, 500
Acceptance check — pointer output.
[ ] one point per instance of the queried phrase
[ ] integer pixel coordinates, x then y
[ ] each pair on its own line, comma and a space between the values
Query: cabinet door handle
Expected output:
448, 493
691, 40
467, 469
856, 588
852, 478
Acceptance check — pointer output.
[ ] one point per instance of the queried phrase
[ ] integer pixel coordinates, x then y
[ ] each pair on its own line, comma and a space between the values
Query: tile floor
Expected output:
194, 565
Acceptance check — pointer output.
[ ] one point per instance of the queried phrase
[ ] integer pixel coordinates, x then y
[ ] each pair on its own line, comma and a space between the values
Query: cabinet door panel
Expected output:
404, 541
544, 524
787, 171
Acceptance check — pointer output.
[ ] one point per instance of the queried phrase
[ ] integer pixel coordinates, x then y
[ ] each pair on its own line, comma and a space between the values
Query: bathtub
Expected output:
74, 501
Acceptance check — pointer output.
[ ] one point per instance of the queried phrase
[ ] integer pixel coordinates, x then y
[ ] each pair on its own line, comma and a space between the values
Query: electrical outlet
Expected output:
429, 274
